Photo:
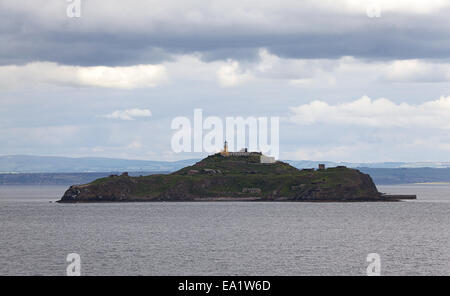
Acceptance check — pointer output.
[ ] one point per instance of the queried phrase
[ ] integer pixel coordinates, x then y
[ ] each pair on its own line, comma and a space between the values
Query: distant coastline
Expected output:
432, 183
64, 179
381, 176
48, 170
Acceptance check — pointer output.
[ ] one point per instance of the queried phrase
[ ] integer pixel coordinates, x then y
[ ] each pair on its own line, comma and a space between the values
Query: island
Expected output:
235, 176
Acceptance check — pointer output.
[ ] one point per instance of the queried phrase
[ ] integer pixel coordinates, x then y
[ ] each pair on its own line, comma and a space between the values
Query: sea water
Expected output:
224, 238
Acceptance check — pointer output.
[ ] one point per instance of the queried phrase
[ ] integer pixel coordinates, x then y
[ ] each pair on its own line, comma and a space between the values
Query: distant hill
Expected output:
385, 165
65, 179
22, 169
51, 164
381, 176
387, 176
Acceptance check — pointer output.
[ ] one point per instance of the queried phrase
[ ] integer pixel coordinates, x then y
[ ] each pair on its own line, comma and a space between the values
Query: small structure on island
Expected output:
321, 166
225, 152
244, 152
251, 190
266, 159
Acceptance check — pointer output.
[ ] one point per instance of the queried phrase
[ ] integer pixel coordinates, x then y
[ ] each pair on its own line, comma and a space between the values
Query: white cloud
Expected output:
328, 72
399, 6
129, 114
275, 67
123, 77
231, 74
307, 72
404, 6
381, 113
417, 71
139, 76
299, 72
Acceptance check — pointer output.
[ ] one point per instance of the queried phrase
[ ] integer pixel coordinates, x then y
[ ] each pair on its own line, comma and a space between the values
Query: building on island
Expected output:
244, 152
267, 159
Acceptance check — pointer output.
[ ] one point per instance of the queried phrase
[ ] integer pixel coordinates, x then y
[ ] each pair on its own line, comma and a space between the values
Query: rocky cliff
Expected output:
217, 178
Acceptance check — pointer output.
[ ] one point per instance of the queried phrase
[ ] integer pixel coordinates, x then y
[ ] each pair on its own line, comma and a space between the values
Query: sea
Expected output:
225, 238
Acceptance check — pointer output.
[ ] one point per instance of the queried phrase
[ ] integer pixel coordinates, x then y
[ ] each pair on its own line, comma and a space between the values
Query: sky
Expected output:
357, 81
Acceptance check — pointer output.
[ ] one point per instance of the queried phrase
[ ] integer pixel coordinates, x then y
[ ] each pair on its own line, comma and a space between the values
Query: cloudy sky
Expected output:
361, 81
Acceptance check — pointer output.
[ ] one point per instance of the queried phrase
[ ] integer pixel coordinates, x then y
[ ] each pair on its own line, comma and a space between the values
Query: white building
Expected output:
267, 159
244, 152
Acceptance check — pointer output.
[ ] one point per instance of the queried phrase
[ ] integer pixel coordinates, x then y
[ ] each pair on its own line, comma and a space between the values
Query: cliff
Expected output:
217, 178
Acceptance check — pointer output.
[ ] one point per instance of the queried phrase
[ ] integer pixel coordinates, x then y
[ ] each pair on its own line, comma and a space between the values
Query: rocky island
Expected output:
235, 176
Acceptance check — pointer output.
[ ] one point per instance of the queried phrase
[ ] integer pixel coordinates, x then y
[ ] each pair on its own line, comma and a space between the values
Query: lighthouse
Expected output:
225, 149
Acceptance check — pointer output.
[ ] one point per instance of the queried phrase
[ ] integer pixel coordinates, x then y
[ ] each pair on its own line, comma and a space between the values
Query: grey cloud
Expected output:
313, 33
104, 49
